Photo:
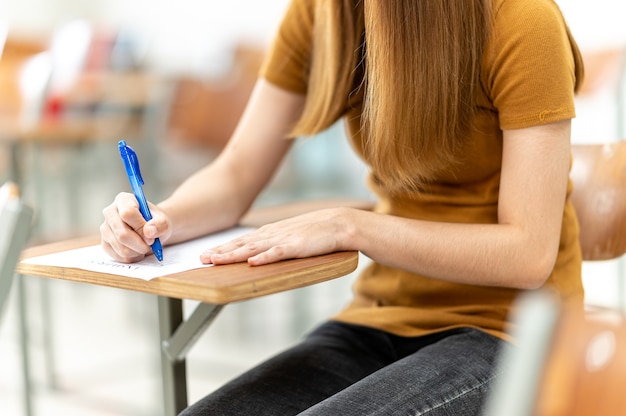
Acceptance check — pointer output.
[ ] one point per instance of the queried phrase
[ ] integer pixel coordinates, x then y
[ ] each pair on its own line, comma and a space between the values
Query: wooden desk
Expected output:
213, 286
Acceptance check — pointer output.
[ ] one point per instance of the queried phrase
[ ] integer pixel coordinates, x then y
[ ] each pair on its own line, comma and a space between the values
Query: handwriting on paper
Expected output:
177, 258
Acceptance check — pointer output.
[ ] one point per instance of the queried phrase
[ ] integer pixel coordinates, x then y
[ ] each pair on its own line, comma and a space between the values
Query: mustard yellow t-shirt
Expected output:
530, 68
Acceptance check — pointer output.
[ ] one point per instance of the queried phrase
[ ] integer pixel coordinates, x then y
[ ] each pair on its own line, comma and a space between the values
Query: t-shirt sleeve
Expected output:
533, 63
287, 63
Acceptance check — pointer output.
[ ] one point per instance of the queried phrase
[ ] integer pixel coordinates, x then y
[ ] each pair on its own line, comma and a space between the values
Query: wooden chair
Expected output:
605, 72
599, 197
15, 228
564, 364
204, 113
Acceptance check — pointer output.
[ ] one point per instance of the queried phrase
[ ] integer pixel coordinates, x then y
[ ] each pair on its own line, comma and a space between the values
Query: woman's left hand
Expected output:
315, 233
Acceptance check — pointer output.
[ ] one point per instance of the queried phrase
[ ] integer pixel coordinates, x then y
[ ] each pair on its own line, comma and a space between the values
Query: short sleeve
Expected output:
532, 64
287, 63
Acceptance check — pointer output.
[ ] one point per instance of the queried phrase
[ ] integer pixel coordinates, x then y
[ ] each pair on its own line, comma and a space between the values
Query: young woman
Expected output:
461, 109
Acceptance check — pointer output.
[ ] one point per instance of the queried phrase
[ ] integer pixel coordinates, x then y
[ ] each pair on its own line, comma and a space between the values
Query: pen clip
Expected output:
133, 161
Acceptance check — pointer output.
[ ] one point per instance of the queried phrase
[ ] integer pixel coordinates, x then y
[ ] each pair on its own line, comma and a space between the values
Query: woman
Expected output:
462, 110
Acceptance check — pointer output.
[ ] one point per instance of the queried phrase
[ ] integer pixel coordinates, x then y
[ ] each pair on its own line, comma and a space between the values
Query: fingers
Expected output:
234, 251
249, 254
116, 247
256, 248
122, 235
274, 254
158, 226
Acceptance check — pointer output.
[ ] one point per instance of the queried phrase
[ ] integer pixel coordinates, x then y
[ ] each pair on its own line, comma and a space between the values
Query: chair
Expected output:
563, 365
204, 113
567, 363
605, 72
599, 197
15, 228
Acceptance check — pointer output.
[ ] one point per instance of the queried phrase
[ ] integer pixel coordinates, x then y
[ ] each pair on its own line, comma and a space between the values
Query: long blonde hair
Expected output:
421, 62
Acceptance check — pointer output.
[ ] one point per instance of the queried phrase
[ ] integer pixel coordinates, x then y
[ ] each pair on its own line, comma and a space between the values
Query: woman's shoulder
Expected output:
521, 9
528, 22
287, 61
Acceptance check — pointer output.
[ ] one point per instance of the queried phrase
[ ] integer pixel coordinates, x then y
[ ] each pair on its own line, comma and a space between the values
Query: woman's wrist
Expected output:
349, 220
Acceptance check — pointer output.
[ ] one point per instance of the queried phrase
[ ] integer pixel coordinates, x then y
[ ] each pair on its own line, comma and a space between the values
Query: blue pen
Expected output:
131, 163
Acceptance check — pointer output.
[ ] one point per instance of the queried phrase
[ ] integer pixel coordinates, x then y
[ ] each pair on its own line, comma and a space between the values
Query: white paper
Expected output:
177, 258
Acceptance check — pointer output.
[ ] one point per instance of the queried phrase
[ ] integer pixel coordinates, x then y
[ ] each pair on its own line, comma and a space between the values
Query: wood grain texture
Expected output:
217, 284
599, 197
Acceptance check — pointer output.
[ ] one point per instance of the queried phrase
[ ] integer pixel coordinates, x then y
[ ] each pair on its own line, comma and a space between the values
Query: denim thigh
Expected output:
451, 376
330, 359
354, 370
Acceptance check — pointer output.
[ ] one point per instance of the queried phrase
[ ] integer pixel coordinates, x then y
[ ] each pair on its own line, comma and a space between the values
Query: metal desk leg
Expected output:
174, 373
15, 172
28, 392
177, 337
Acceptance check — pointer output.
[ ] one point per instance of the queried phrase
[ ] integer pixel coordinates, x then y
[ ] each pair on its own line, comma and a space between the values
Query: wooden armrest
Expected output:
257, 217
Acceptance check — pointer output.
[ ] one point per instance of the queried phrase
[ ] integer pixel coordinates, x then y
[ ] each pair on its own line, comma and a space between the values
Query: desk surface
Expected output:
217, 285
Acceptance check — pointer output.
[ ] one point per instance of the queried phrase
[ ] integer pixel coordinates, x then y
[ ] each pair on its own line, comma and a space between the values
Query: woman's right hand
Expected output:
125, 234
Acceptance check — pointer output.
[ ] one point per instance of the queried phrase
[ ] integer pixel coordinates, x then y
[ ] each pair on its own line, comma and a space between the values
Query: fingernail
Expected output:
205, 259
217, 256
212, 256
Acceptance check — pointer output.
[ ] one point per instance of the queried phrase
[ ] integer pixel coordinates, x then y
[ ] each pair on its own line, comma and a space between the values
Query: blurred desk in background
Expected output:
101, 108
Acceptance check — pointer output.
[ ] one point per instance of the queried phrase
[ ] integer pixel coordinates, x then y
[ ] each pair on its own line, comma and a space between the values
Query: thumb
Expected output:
155, 228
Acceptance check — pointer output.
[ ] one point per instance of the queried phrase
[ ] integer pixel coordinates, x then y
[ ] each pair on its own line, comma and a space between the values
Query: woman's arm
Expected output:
218, 195
519, 251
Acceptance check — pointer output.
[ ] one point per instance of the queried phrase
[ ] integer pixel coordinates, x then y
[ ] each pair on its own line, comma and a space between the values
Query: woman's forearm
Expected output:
217, 196
202, 204
480, 254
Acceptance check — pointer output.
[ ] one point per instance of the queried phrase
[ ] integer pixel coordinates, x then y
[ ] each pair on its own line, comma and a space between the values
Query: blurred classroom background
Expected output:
171, 78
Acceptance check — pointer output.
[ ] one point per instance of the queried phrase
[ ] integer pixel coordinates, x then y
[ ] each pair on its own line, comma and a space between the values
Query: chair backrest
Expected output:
599, 197
15, 227
564, 364
203, 113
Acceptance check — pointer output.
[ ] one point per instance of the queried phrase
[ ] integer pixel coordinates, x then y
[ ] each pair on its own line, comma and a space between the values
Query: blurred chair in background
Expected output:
16, 50
204, 113
15, 229
562, 364
69, 49
568, 363
605, 80
15, 226
599, 197
199, 115
603, 68
34, 80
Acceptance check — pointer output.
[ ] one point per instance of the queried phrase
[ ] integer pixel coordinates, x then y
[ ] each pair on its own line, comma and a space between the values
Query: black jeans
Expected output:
342, 369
